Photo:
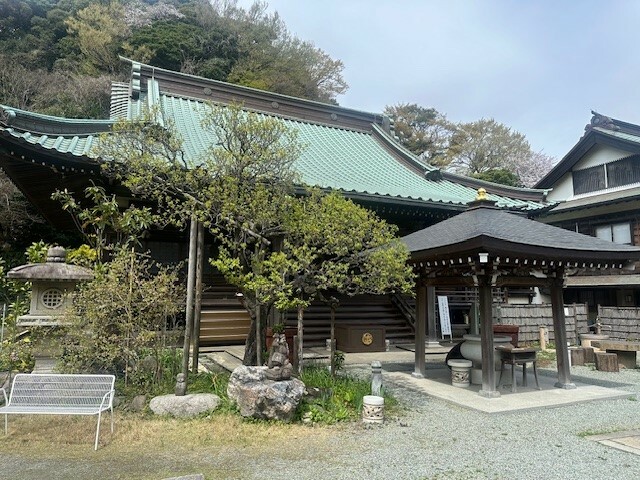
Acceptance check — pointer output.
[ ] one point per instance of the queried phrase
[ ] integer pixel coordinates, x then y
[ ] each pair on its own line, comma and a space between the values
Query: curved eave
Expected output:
508, 250
421, 202
25, 121
399, 151
399, 200
31, 148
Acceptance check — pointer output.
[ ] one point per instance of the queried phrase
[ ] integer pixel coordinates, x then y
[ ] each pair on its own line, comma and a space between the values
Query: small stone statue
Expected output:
278, 366
376, 378
181, 385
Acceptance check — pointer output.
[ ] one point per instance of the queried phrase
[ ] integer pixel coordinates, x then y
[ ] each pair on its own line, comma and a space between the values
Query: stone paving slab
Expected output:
438, 384
628, 441
398, 364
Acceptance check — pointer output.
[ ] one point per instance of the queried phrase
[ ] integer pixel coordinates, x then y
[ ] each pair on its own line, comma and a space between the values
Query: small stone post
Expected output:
376, 378
543, 337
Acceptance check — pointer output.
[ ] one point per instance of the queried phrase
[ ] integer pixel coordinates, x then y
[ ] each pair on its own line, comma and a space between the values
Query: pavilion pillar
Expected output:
486, 338
421, 320
560, 331
432, 326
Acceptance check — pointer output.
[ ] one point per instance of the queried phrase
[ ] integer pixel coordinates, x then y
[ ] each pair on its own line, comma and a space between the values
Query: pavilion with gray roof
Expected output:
487, 247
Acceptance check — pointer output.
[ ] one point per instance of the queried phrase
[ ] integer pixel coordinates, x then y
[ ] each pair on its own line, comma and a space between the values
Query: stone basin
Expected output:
587, 338
471, 348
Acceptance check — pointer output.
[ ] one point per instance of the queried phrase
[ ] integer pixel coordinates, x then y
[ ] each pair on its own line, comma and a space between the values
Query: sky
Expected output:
539, 67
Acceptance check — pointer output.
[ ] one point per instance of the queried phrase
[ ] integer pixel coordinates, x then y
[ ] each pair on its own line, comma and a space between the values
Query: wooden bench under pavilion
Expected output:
626, 351
486, 247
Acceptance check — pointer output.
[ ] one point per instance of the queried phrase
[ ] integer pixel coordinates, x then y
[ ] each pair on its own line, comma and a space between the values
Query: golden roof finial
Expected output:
482, 194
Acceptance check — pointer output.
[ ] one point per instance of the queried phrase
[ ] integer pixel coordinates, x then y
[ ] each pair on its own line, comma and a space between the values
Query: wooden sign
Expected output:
445, 320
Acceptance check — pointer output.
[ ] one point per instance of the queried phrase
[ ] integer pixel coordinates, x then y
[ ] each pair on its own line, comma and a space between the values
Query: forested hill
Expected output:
60, 57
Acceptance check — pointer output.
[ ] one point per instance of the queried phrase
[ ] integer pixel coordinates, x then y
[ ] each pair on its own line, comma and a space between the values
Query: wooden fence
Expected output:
620, 323
530, 317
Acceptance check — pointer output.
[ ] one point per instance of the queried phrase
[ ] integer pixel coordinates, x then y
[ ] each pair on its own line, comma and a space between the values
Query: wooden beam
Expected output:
560, 330
521, 281
421, 319
486, 338
432, 327
450, 281
197, 307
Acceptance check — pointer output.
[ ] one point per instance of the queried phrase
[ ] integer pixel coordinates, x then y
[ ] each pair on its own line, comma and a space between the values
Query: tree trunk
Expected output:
191, 274
250, 345
258, 337
250, 356
300, 325
332, 350
197, 307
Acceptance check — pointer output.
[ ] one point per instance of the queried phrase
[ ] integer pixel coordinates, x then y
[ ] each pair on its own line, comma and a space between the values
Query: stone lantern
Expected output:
52, 283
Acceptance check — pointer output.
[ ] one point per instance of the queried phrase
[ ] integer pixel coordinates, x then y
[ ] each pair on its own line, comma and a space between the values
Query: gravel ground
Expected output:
433, 440
439, 440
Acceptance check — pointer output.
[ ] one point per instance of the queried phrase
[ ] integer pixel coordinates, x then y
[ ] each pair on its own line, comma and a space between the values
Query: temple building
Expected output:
350, 151
597, 190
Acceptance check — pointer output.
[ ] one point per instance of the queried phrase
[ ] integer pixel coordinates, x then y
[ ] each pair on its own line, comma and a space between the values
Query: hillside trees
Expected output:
423, 131
485, 149
484, 145
100, 30
79, 41
186, 47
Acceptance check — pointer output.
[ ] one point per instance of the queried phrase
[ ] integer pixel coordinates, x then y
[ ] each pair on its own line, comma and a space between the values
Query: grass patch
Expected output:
603, 431
547, 358
335, 399
200, 382
144, 447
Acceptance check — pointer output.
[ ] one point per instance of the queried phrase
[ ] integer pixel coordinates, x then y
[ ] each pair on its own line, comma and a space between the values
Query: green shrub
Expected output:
339, 399
123, 321
16, 356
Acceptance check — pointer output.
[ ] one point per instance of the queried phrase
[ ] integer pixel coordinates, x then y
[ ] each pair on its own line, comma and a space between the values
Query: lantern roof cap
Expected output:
54, 269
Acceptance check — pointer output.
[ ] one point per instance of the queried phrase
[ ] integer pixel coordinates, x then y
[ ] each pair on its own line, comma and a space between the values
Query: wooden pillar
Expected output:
473, 319
486, 338
560, 330
197, 307
432, 327
421, 320
191, 278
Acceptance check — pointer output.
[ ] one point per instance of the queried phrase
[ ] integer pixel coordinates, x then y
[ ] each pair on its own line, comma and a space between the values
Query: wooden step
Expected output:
224, 318
222, 360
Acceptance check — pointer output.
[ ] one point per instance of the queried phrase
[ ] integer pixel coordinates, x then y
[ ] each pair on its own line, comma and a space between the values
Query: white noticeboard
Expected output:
445, 321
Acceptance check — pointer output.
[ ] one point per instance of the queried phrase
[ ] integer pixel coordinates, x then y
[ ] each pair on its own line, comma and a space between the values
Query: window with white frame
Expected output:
617, 232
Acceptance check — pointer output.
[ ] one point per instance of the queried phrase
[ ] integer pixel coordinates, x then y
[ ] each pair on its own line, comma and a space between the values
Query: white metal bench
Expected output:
60, 394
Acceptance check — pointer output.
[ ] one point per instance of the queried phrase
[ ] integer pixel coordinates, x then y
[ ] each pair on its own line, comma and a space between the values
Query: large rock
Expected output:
184, 406
259, 397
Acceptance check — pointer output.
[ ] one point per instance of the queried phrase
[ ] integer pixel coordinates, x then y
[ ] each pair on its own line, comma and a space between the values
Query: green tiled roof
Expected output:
340, 159
362, 161
74, 145
67, 136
